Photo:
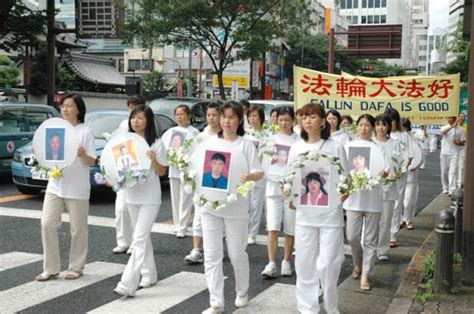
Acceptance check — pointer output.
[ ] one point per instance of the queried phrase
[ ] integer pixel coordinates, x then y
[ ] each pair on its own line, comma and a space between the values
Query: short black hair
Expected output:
218, 156
81, 106
213, 105
394, 116
260, 112
337, 115
348, 118
150, 132
367, 117
238, 110
282, 110
136, 100
245, 103
184, 107
385, 120
406, 124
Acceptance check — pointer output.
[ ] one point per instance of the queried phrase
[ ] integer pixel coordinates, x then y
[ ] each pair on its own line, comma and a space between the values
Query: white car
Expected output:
270, 104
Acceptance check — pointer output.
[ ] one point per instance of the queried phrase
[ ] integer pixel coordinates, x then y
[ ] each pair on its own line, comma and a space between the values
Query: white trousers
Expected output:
257, 200
461, 166
236, 231
449, 167
363, 254
141, 263
398, 210
197, 225
319, 259
278, 211
385, 225
181, 203
433, 143
411, 196
123, 223
53, 207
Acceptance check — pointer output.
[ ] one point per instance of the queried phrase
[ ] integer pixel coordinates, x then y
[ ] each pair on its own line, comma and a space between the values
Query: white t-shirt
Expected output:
391, 148
190, 132
406, 146
365, 200
124, 125
150, 191
75, 182
422, 138
447, 140
341, 136
320, 217
273, 188
240, 208
256, 140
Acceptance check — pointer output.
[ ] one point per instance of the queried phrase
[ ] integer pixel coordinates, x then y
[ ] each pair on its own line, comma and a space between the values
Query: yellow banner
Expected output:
425, 100
243, 81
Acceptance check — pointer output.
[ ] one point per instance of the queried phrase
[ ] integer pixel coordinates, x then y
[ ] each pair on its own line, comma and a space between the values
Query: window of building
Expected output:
356, 4
423, 37
363, 19
348, 4
383, 19
370, 19
371, 3
377, 3
376, 19
343, 4
423, 47
121, 65
355, 20
364, 3
384, 3
422, 58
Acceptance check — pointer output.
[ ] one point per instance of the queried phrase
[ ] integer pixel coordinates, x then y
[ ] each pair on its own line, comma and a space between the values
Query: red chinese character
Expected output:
444, 86
316, 84
411, 88
383, 86
355, 87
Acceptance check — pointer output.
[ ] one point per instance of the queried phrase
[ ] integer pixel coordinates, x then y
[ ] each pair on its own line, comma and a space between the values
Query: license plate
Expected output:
37, 176
7, 163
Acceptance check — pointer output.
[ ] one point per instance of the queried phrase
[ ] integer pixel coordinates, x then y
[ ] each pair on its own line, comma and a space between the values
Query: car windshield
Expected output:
105, 122
166, 106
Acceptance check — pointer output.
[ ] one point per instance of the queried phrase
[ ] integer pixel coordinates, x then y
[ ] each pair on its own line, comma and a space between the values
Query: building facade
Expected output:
419, 40
456, 13
437, 46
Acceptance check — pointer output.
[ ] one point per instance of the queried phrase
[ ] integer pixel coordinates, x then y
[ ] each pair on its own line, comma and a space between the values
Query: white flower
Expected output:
231, 198
290, 177
287, 187
301, 159
188, 188
191, 173
312, 154
221, 206
185, 158
196, 198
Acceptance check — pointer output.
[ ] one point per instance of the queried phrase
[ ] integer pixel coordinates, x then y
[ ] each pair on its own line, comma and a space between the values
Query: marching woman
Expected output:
277, 208
337, 133
392, 148
256, 118
212, 128
173, 139
319, 239
70, 192
406, 148
363, 210
143, 203
412, 188
234, 217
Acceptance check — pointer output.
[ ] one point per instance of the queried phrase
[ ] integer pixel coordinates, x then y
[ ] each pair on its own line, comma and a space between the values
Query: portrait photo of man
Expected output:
216, 170
54, 144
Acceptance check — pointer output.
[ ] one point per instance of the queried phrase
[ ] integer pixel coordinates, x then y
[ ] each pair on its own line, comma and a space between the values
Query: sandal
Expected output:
356, 273
71, 274
409, 225
45, 276
393, 243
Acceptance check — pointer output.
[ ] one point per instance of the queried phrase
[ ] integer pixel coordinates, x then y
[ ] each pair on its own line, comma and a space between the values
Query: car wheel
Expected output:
28, 190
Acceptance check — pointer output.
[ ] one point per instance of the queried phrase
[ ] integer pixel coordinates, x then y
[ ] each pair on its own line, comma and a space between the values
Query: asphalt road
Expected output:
20, 232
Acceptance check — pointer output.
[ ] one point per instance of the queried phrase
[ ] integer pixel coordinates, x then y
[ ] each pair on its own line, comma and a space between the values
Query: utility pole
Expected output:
468, 213
190, 72
51, 62
331, 51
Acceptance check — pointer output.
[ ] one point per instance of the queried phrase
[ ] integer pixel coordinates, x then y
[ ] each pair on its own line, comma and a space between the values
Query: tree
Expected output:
8, 73
154, 85
460, 47
220, 28
20, 26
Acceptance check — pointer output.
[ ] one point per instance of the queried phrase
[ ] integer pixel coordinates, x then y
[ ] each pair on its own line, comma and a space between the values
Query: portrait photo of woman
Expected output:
359, 158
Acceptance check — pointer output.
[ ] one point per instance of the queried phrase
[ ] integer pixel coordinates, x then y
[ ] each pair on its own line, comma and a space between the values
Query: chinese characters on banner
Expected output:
423, 99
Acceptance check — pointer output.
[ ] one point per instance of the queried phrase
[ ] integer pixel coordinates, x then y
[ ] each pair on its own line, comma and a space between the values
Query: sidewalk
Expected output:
394, 285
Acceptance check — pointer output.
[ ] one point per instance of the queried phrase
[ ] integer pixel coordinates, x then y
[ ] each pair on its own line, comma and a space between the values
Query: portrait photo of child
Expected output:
359, 160
216, 170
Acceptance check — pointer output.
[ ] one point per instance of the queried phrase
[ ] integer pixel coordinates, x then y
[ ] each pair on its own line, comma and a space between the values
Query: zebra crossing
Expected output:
167, 293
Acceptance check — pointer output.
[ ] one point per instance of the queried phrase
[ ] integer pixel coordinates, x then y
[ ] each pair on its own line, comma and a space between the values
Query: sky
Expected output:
439, 10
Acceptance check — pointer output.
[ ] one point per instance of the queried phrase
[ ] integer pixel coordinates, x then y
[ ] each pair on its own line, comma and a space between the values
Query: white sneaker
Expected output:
241, 301
270, 270
146, 283
181, 234
445, 191
130, 250
119, 249
123, 292
286, 268
383, 257
214, 310
251, 240
195, 257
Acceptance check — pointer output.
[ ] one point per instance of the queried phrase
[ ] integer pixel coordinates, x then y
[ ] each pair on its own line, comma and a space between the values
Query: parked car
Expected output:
18, 123
102, 123
198, 108
268, 105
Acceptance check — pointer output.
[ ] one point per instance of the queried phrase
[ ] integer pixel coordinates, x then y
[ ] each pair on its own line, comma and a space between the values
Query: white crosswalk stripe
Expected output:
17, 259
279, 298
34, 293
164, 295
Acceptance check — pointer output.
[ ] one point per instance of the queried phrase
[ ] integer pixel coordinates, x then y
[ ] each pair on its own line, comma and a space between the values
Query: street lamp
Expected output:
179, 89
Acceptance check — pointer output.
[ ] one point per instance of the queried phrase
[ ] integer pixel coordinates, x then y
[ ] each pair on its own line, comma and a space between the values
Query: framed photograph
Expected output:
216, 170
54, 142
126, 156
279, 160
359, 159
177, 139
315, 187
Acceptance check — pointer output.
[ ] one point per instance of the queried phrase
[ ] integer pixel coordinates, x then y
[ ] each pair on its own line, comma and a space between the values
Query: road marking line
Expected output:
18, 197
279, 298
164, 295
158, 227
34, 293
17, 259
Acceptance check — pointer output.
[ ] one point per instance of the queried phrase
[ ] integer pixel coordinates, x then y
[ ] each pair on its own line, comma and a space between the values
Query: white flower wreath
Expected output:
43, 173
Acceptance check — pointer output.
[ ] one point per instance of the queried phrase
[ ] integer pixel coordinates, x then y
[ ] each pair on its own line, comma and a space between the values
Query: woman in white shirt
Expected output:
319, 234
383, 126
181, 202
337, 133
234, 217
143, 202
421, 135
277, 208
70, 192
363, 210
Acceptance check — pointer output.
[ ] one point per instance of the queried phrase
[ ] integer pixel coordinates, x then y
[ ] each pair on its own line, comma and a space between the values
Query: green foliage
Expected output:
381, 68
67, 80
457, 259
20, 26
460, 47
38, 71
154, 85
218, 27
9, 75
425, 288
459, 65
5, 60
